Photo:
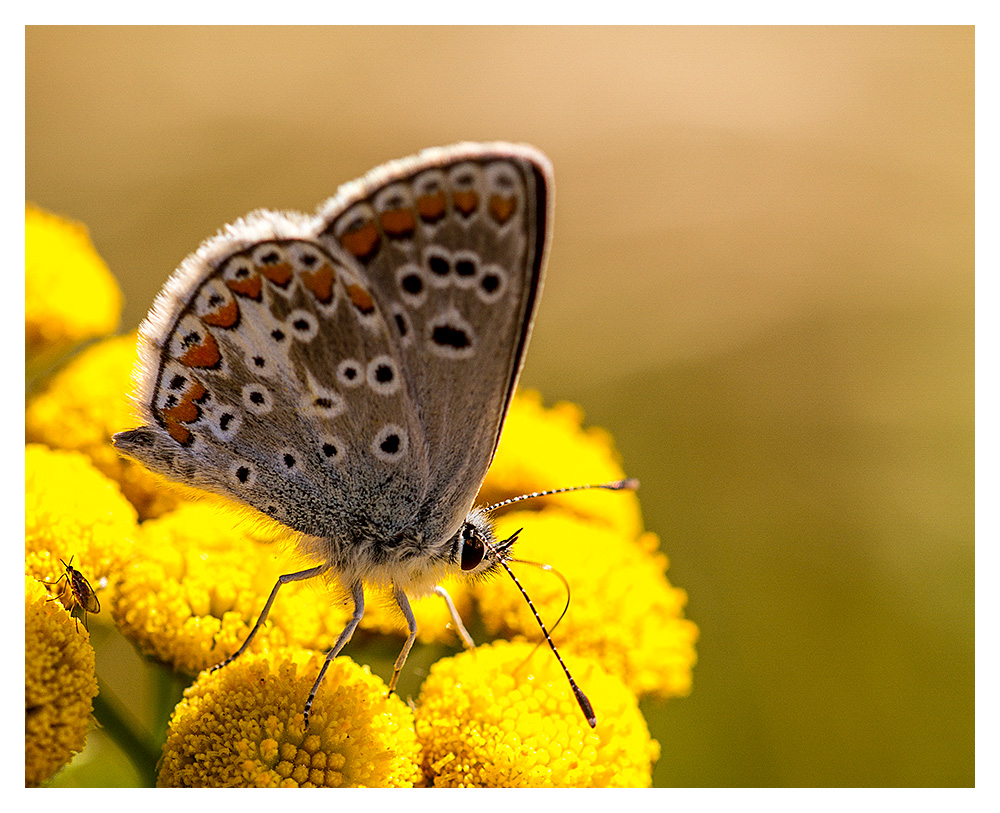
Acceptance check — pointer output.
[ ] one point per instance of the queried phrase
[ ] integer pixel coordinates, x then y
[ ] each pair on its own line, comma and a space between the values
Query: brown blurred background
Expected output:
761, 283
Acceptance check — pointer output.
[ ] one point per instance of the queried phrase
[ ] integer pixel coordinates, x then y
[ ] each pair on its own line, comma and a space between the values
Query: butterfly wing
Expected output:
266, 374
453, 243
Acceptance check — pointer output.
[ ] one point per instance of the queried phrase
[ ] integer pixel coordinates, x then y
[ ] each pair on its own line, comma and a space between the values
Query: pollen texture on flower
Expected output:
71, 510
192, 597
242, 726
498, 716
623, 612
59, 684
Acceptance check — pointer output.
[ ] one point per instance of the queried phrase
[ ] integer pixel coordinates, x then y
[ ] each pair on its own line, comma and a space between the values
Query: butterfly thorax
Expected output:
412, 561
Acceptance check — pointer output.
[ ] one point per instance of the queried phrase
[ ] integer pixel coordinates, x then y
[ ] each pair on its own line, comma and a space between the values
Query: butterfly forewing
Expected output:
453, 247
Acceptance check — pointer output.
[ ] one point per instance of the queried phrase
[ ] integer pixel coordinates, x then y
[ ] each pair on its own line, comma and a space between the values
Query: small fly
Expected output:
83, 594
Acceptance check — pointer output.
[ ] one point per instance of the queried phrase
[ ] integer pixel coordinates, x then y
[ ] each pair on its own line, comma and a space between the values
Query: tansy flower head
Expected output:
69, 293
204, 575
623, 611
544, 448
84, 405
59, 684
242, 726
73, 511
192, 597
495, 717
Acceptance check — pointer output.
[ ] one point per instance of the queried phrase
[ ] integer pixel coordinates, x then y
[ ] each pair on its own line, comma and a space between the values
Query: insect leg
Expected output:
288, 577
58, 596
456, 619
358, 594
411, 626
45, 581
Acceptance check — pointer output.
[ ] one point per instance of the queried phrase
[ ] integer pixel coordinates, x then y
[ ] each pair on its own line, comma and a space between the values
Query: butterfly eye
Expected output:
473, 549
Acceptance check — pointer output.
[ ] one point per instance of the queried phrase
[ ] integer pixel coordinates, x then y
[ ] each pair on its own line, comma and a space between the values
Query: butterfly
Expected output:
348, 373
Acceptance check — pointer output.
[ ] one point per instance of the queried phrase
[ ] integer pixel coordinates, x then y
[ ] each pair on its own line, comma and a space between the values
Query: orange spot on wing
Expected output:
204, 354
195, 392
320, 283
279, 273
226, 315
361, 299
501, 208
249, 287
465, 201
186, 410
432, 207
363, 241
181, 434
398, 222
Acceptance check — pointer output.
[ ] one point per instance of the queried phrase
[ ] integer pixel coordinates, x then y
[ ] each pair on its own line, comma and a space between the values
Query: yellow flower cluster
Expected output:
623, 611
242, 726
84, 405
59, 684
548, 448
185, 580
499, 717
193, 595
69, 293
204, 574
72, 511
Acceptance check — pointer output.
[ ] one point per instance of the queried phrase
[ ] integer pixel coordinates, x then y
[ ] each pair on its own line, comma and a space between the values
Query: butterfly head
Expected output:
476, 548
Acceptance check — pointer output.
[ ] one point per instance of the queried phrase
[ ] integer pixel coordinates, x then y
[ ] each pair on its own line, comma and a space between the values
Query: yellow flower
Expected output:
84, 405
69, 294
193, 595
72, 511
59, 684
242, 726
548, 448
623, 611
487, 718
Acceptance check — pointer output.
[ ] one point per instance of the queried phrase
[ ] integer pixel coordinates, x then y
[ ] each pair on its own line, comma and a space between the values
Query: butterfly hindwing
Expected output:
269, 377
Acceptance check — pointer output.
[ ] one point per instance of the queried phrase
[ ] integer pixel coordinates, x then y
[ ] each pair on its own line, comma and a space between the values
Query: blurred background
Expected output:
761, 282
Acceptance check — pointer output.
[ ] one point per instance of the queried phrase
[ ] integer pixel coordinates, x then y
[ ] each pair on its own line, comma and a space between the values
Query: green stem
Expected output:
139, 747
168, 689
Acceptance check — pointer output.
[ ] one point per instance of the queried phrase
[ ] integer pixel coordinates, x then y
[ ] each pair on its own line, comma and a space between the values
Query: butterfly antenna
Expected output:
628, 484
565, 609
581, 698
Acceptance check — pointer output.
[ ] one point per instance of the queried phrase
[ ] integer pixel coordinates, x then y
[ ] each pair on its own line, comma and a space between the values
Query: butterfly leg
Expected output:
456, 619
358, 594
288, 577
411, 626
